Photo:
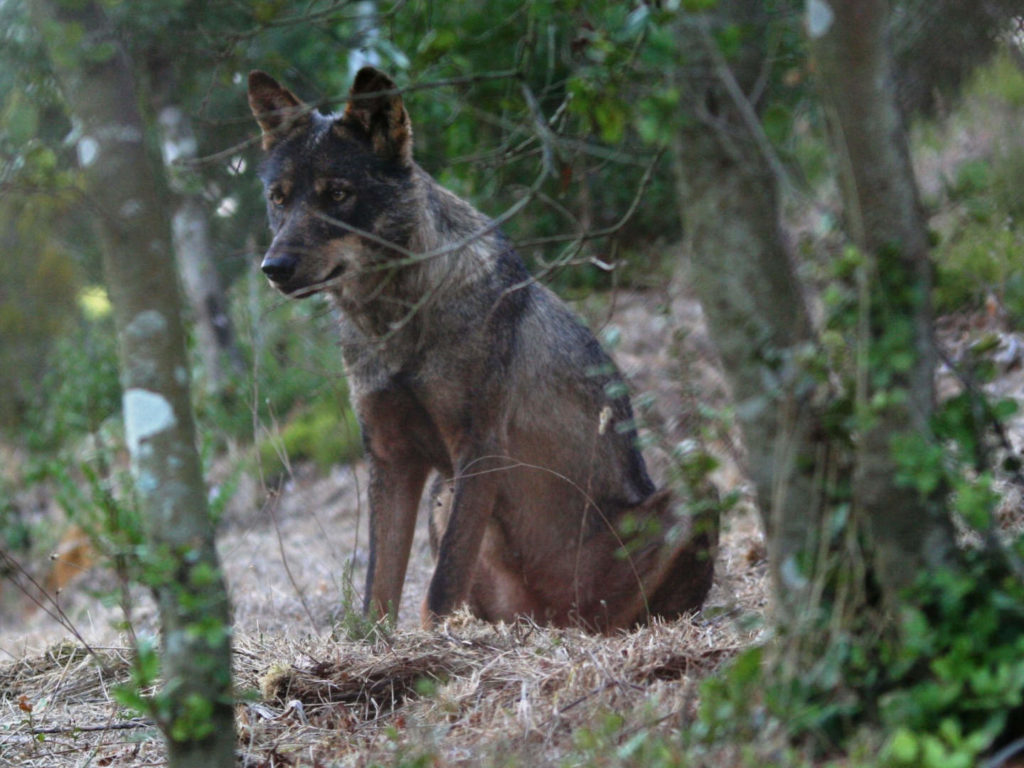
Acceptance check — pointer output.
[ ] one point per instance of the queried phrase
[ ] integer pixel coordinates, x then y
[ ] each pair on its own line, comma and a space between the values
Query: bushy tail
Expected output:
678, 578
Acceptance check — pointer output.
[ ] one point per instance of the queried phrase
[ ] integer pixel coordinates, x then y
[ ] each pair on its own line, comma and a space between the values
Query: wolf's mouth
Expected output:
336, 272
309, 290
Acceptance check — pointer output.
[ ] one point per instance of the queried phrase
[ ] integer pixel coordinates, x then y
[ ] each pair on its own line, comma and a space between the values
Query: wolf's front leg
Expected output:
473, 498
395, 488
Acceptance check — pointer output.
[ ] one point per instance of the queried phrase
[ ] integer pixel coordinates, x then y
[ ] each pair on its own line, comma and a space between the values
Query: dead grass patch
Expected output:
470, 692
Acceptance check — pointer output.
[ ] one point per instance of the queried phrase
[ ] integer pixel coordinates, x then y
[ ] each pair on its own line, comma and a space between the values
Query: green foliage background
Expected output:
604, 78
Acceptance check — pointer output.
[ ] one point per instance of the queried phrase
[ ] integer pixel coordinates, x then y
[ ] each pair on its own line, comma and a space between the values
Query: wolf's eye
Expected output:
276, 197
337, 193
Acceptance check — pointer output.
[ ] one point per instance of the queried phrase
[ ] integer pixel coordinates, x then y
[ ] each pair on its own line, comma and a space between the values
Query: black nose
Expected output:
279, 268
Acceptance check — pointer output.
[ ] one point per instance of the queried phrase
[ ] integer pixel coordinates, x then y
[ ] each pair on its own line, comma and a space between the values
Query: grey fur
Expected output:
459, 363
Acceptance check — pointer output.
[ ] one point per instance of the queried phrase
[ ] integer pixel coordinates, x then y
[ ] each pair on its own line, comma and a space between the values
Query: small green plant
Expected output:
15, 533
351, 623
957, 677
978, 256
982, 260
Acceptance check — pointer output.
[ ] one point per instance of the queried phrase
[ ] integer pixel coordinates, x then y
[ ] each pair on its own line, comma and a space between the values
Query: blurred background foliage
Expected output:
478, 79
603, 79
573, 105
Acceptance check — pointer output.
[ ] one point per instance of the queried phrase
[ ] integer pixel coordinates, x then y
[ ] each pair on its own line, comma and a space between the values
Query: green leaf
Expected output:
21, 118
903, 746
777, 120
101, 52
611, 121
1004, 409
699, 5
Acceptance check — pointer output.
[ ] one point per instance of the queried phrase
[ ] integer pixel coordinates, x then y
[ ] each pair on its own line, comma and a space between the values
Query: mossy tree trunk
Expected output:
826, 563
908, 527
127, 193
744, 277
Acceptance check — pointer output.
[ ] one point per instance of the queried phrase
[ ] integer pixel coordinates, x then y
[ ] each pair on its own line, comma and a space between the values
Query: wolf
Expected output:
460, 364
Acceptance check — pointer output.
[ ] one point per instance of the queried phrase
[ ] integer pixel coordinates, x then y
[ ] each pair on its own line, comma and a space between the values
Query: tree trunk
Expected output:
759, 323
125, 188
190, 232
907, 528
755, 309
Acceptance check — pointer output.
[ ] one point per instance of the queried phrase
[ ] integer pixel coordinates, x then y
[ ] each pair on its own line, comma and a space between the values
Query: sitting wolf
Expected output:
458, 362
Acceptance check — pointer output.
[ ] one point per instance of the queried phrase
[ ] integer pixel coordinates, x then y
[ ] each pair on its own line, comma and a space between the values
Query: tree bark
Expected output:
756, 312
126, 191
190, 231
908, 529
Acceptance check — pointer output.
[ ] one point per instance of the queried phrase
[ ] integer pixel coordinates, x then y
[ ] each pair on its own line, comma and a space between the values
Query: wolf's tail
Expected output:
677, 580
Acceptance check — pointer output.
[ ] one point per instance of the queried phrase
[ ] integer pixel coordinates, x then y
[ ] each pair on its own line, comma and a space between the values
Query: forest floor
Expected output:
468, 693
295, 563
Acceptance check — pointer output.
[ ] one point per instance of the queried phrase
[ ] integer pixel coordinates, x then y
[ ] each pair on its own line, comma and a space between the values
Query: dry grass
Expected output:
56, 710
474, 690
467, 693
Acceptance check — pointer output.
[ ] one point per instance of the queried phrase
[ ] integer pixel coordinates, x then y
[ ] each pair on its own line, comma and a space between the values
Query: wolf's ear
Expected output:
275, 108
375, 108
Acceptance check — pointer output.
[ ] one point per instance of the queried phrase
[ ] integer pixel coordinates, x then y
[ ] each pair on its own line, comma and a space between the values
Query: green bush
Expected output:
980, 254
325, 433
958, 676
1001, 80
295, 383
80, 389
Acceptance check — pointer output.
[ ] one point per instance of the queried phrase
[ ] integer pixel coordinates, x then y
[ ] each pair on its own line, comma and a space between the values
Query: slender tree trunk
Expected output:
907, 528
755, 309
190, 230
125, 188
758, 320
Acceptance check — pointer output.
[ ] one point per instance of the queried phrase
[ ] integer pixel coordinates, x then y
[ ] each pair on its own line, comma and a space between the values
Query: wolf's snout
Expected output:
279, 269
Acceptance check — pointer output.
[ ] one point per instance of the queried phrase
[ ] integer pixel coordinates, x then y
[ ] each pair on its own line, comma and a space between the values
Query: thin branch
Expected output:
49, 605
271, 508
121, 726
1001, 757
742, 103
583, 237
548, 140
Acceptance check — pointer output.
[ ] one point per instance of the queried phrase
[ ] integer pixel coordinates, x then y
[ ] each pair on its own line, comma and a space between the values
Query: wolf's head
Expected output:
336, 185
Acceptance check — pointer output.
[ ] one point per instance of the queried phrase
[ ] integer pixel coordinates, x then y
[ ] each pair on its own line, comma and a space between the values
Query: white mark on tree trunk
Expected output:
178, 141
145, 414
146, 324
791, 575
88, 150
819, 18
131, 209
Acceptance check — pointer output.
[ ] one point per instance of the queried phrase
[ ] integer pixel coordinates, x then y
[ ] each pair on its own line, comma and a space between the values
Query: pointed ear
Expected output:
376, 108
275, 108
